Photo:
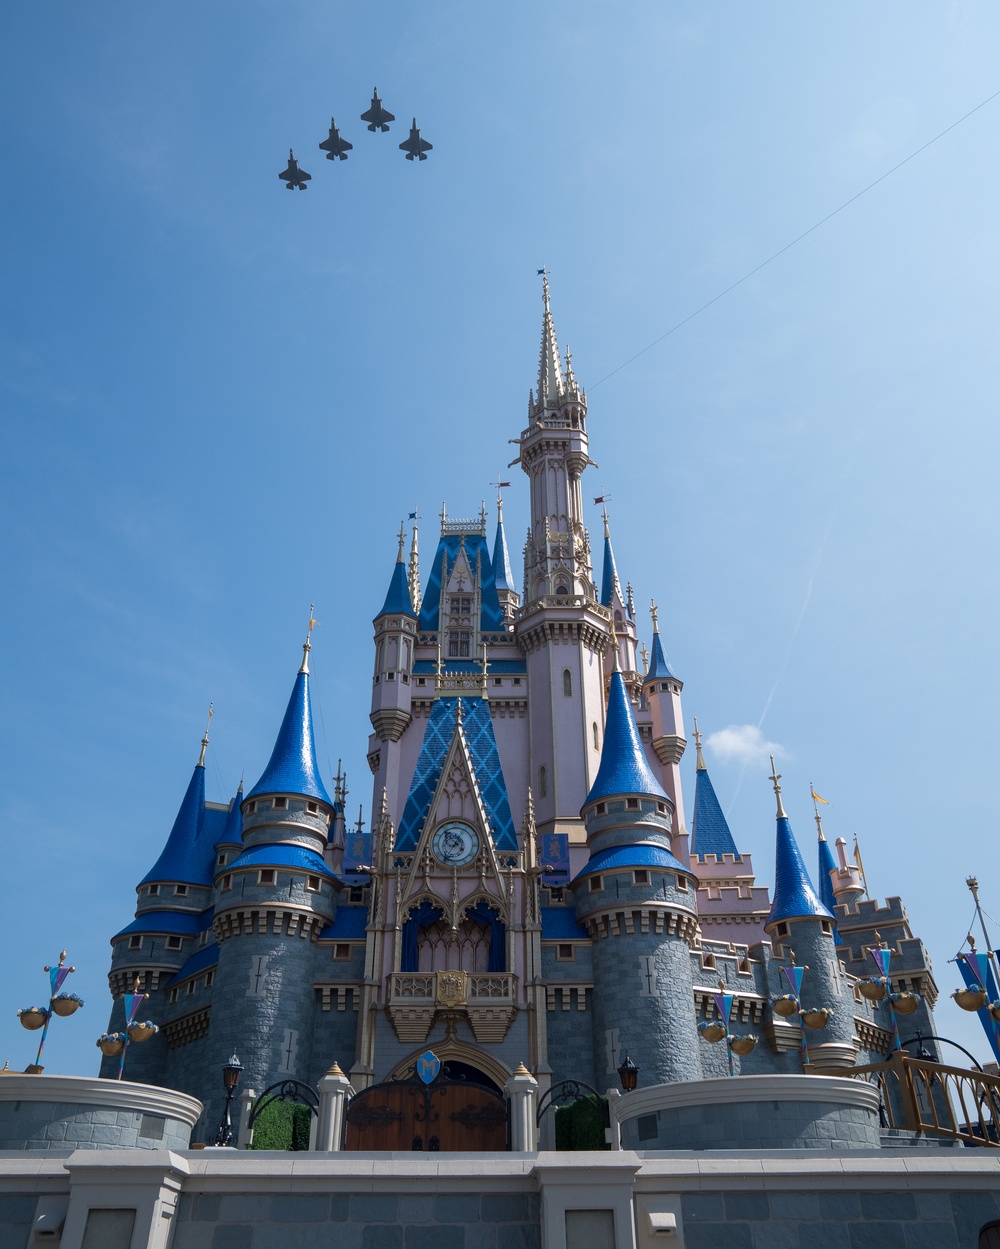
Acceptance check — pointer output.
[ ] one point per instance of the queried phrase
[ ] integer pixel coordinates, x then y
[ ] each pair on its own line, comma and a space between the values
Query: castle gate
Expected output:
451, 1108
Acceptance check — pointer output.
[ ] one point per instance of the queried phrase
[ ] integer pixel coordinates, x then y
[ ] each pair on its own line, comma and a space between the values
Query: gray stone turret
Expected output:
800, 925
272, 902
637, 901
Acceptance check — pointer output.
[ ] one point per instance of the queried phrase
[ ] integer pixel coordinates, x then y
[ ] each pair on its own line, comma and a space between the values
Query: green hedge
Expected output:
580, 1125
282, 1125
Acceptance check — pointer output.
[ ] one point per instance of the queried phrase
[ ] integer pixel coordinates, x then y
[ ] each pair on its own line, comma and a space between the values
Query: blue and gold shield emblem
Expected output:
428, 1066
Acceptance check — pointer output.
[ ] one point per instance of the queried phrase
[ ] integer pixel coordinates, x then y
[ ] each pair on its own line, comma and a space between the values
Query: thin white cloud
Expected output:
742, 743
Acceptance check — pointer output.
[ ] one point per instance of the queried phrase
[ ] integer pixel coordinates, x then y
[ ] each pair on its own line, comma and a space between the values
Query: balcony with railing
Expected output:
488, 1000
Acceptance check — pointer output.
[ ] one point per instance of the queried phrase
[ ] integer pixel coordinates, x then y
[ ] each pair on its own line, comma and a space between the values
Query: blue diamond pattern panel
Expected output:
478, 727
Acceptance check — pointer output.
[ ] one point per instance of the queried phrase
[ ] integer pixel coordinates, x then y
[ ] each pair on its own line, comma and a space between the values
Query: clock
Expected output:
455, 844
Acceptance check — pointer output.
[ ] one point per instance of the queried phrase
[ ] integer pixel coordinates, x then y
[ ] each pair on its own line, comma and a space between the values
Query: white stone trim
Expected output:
90, 1091
732, 1089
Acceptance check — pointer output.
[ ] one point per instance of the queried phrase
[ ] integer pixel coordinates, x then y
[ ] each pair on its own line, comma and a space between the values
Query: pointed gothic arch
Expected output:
456, 1051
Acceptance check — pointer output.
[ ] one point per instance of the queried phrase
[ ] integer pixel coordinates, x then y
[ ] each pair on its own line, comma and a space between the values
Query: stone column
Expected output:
614, 1132
521, 1091
117, 1204
244, 1136
334, 1090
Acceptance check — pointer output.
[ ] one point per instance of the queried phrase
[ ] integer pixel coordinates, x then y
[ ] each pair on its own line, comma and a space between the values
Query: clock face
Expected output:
455, 844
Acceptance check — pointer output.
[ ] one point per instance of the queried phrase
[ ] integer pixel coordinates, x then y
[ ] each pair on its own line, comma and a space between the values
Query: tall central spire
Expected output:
551, 387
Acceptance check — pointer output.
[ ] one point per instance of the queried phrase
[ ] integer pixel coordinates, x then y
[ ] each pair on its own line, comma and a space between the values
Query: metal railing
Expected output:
920, 1096
475, 987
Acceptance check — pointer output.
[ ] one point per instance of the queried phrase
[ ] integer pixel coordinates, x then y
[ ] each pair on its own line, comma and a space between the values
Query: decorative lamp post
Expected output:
33, 1017
789, 1004
115, 1044
880, 987
715, 1030
628, 1074
231, 1073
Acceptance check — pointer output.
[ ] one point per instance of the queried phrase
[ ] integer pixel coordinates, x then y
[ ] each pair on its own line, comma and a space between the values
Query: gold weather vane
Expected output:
204, 740
775, 778
699, 757
307, 645
817, 817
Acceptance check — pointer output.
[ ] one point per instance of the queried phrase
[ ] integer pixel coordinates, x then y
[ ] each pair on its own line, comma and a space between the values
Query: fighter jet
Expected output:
334, 146
293, 176
415, 147
377, 117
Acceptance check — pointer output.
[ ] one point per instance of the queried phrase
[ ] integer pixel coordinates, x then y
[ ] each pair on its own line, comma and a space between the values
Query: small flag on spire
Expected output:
411, 516
817, 798
599, 500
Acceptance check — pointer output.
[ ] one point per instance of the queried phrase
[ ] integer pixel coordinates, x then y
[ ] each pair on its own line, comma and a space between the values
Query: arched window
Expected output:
989, 1237
561, 591
543, 782
405, 665
567, 683
597, 740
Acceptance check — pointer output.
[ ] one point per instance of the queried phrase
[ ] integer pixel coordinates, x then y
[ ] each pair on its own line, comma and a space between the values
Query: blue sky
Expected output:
221, 398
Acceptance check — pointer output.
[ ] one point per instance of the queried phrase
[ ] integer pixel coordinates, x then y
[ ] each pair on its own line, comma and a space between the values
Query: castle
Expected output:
530, 891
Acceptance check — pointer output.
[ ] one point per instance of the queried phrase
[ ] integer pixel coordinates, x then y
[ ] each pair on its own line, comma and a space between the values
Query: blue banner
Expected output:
555, 859
357, 852
985, 1018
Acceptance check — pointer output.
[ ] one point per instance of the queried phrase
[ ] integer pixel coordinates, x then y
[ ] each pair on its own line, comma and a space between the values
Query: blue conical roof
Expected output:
293, 768
624, 769
397, 600
181, 857
659, 669
794, 896
826, 866
233, 831
503, 578
709, 830
610, 584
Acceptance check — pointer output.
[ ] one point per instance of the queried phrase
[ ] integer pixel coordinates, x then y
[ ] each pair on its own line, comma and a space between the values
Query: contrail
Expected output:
814, 569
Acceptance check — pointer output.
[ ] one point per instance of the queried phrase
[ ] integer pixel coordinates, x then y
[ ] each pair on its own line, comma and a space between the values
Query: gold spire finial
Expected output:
402, 539
307, 644
413, 573
204, 740
699, 757
654, 611
817, 817
775, 778
645, 660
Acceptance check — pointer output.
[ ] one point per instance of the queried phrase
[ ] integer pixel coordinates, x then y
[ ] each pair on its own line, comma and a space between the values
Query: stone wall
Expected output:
75, 1112
384, 1220
222, 1199
752, 1113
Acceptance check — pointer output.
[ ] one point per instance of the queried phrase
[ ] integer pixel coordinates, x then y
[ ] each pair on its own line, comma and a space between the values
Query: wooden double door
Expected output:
445, 1115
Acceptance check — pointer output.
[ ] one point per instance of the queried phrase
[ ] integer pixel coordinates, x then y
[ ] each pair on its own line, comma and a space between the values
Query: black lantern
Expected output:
231, 1073
628, 1073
